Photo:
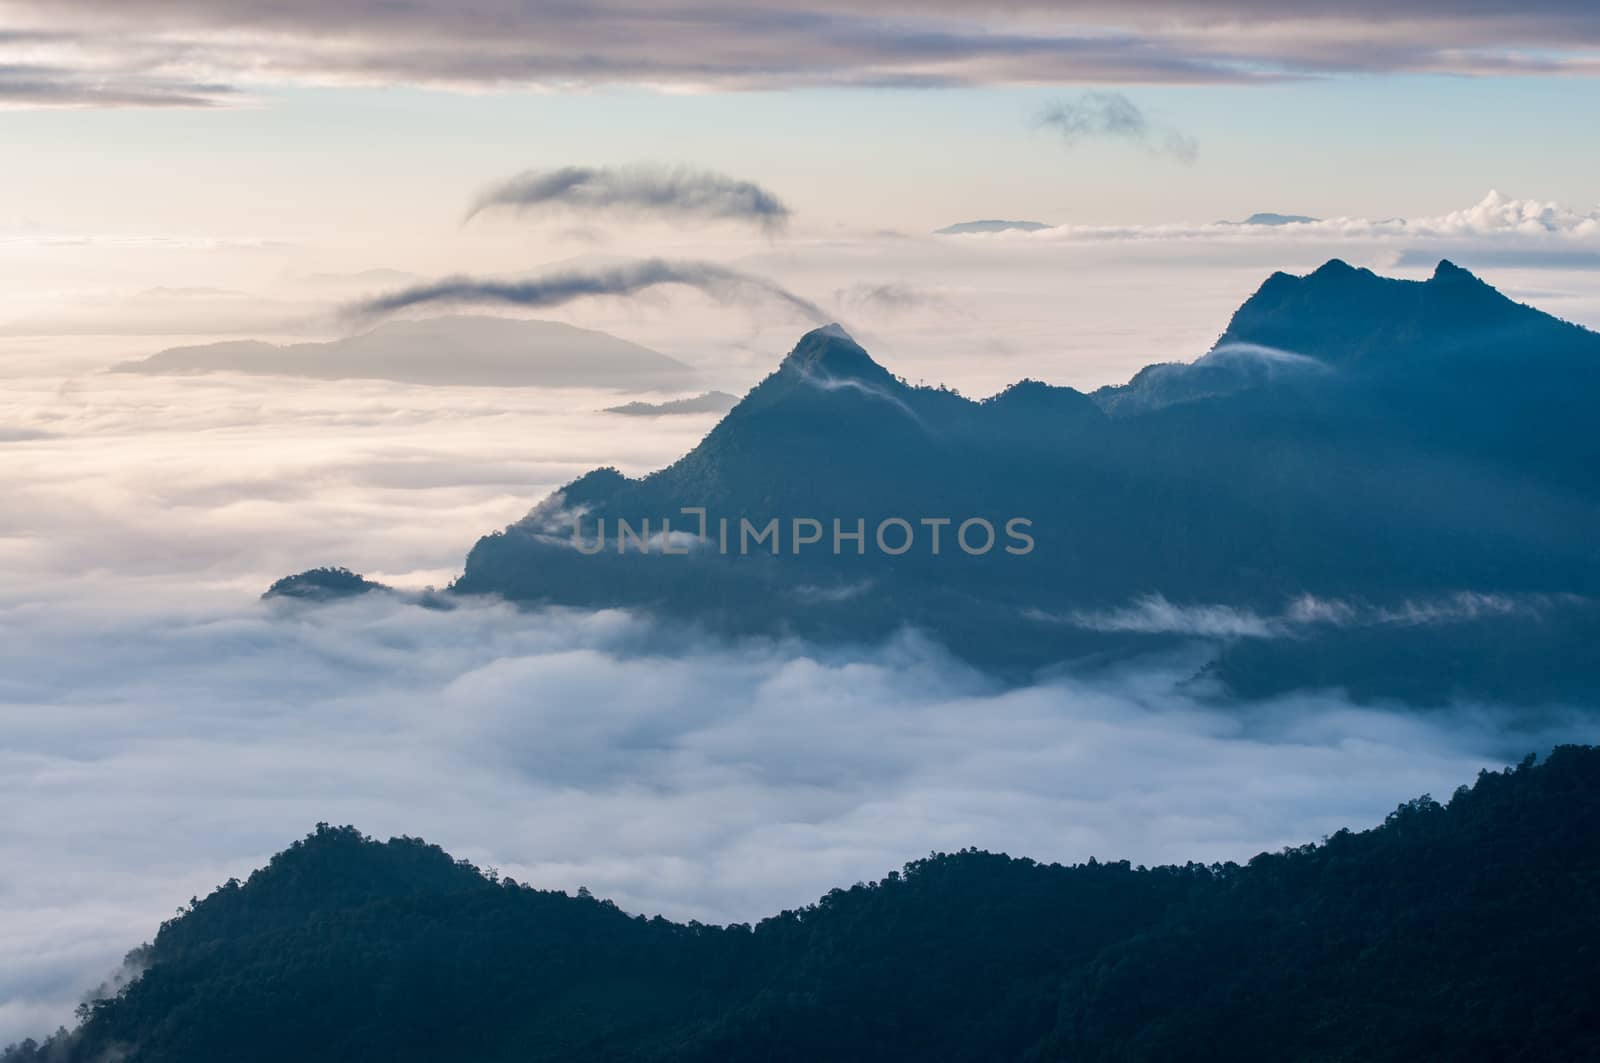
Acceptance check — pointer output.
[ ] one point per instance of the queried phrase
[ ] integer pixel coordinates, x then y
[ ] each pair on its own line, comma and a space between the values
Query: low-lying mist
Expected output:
151, 752
162, 730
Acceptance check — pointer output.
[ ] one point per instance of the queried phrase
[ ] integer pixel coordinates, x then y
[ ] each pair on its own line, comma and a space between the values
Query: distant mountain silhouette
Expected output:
1451, 932
1267, 217
708, 402
989, 225
457, 349
1354, 451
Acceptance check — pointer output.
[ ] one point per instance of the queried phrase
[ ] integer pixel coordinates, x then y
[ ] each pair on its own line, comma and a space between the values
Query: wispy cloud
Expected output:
888, 297
58, 86
721, 283
55, 67
671, 193
1156, 615
1111, 115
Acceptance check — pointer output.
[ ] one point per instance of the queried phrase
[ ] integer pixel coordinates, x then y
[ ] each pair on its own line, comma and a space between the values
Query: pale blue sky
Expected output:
300, 160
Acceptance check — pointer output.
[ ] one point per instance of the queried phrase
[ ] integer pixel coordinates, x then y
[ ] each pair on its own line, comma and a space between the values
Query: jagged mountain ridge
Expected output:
1360, 440
1339, 315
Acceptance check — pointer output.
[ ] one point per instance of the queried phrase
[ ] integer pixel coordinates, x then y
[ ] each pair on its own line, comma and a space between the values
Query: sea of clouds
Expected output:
161, 729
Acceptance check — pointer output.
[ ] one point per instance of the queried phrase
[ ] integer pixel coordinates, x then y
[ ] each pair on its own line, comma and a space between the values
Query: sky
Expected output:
184, 171
273, 197
187, 145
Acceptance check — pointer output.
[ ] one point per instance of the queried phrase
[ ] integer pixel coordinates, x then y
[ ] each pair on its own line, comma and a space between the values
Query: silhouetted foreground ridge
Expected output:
1461, 931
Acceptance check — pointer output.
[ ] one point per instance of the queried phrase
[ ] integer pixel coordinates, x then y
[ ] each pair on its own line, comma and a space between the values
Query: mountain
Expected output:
1392, 483
989, 225
1459, 931
1429, 331
457, 349
1351, 439
1342, 314
1268, 217
831, 435
707, 402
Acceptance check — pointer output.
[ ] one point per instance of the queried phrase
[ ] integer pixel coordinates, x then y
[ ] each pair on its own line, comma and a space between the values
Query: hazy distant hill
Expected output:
708, 402
989, 225
1267, 217
1451, 932
459, 349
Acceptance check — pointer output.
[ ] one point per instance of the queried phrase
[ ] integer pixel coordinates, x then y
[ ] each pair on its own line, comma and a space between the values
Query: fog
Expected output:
152, 751
161, 729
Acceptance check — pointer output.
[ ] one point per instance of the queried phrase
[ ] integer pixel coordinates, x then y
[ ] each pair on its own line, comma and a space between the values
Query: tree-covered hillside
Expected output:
1466, 930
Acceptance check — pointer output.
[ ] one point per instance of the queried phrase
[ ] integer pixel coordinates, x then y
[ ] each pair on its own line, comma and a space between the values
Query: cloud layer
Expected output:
96, 53
1497, 222
677, 775
673, 194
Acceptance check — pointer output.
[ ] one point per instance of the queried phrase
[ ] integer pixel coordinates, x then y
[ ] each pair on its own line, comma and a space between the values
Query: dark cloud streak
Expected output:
1111, 115
557, 288
889, 297
676, 193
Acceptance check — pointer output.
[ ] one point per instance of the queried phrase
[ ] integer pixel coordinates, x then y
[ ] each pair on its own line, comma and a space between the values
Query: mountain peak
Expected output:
1336, 267
1447, 272
1340, 313
830, 354
1272, 217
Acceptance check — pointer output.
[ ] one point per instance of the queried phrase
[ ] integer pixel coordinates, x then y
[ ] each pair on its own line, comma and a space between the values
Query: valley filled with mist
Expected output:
169, 728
